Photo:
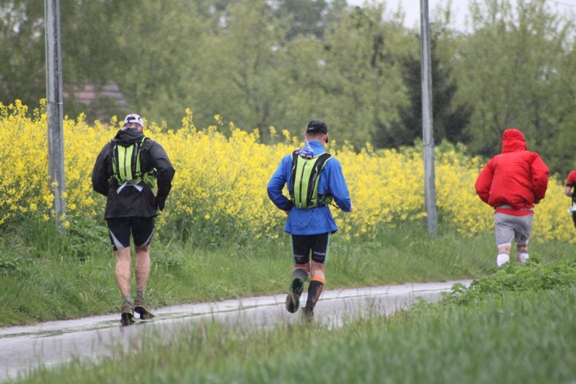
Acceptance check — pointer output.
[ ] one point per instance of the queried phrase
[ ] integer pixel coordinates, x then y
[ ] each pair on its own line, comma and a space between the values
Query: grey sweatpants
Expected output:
508, 227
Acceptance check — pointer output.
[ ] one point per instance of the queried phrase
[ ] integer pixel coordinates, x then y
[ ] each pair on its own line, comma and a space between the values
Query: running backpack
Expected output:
126, 166
304, 179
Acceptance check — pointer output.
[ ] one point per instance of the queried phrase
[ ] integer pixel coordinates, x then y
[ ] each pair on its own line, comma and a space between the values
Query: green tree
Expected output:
513, 70
149, 48
450, 118
308, 17
351, 80
560, 150
242, 75
159, 50
305, 16
22, 47
87, 42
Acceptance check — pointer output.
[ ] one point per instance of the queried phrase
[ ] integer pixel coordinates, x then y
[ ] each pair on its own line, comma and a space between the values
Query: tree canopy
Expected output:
282, 63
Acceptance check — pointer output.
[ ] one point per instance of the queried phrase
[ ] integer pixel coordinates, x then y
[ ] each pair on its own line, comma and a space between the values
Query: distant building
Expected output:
97, 102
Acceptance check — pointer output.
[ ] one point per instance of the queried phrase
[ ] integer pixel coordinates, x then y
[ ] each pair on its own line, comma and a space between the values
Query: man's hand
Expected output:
289, 207
160, 202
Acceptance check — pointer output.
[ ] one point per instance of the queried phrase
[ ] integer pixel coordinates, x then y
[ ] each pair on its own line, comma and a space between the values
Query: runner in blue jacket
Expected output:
315, 180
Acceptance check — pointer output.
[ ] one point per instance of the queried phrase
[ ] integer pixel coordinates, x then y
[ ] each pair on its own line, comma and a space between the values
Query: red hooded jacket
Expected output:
515, 180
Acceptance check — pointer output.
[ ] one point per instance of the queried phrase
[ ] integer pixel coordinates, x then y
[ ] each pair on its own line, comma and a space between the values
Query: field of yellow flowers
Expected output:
222, 172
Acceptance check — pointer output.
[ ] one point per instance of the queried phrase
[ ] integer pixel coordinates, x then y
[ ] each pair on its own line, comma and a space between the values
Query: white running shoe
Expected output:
573, 209
502, 259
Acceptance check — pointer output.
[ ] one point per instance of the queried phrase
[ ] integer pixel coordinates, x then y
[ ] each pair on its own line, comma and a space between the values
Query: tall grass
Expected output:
44, 276
507, 338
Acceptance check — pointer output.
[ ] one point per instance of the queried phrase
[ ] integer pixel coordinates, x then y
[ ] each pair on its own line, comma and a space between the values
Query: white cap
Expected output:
133, 118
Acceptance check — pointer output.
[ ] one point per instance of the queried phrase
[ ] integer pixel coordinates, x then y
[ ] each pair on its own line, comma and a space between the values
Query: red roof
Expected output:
87, 93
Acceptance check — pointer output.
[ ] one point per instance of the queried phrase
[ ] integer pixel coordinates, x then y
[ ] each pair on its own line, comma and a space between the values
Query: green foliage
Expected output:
533, 333
502, 316
306, 17
281, 64
73, 275
355, 81
534, 276
450, 117
85, 238
245, 70
159, 51
22, 45
513, 70
231, 58
9, 265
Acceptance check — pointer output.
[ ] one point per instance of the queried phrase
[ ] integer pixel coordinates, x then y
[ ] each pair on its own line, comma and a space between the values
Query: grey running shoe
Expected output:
293, 298
522, 258
127, 316
141, 307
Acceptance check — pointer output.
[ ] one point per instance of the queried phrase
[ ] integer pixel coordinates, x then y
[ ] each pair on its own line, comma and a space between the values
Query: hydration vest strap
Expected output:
131, 183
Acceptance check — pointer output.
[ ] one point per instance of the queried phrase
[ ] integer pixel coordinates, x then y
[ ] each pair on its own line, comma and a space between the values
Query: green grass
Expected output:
513, 324
44, 276
508, 338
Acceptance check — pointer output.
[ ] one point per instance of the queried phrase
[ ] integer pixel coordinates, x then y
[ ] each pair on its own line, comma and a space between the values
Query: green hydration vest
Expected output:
126, 166
304, 180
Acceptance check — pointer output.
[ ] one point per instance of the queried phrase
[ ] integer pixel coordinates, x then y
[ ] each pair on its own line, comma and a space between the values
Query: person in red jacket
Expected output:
513, 182
570, 191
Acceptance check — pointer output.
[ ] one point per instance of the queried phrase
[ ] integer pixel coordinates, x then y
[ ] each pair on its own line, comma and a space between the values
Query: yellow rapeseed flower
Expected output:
222, 178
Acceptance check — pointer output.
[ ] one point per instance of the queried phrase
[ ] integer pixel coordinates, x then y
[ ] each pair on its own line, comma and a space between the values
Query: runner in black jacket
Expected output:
131, 207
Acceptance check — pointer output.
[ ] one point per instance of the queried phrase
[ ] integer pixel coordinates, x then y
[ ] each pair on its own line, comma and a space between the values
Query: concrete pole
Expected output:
427, 131
55, 110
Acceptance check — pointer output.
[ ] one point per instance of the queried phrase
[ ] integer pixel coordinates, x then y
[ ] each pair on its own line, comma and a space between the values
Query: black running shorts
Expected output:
304, 246
120, 229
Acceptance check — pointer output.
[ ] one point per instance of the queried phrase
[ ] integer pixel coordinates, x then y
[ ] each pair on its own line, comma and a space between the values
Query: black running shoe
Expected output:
308, 314
141, 308
127, 316
293, 298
